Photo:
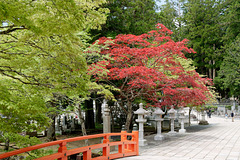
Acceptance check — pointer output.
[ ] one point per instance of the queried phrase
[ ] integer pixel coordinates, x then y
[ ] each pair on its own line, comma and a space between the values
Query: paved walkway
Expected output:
220, 140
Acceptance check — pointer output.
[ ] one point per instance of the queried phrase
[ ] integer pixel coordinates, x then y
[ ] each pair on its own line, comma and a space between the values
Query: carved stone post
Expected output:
181, 116
158, 118
172, 116
141, 112
106, 120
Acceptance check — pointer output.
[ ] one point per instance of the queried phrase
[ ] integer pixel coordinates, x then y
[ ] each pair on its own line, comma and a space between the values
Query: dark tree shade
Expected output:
128, 17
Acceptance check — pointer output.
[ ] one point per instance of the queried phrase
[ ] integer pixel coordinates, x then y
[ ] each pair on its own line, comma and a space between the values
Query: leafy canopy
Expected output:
152, 67
41, 50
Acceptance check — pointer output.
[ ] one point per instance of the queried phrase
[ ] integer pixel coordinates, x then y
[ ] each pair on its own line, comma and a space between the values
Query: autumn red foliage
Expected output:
146, 64
149, 67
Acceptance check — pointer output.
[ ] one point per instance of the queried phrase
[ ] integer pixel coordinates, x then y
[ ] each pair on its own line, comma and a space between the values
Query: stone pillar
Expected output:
172, 116
158, 118
106, 120
141, 112
181, 117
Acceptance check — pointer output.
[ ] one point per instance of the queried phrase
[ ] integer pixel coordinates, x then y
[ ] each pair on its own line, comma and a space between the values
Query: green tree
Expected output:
229, 74
41, 50
168, 14
230, 20
22, 109
204, 30
230, 26
171, 15
129, 17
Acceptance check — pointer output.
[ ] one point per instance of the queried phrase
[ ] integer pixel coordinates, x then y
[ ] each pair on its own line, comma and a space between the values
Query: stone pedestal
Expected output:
158, 113
181, 117
141, 112
203, 121
106, 120
172, 116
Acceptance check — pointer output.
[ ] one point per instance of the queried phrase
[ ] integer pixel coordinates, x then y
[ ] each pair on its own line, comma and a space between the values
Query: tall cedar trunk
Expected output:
98, 112
82, 123
89, 116
129, 116
213, 62
210, 70
214, 70
51, 136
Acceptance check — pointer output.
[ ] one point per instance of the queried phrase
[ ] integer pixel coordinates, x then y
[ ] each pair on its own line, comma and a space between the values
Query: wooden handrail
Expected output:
125, 147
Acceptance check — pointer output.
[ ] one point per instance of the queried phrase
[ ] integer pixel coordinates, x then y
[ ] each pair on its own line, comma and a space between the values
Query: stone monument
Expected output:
141, 112
158, 118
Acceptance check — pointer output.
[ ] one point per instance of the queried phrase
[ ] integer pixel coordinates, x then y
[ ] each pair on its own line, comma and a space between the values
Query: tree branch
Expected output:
11, 30
35, 81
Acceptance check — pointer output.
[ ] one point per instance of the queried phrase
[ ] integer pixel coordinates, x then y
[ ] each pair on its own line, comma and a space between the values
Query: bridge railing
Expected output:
125, 147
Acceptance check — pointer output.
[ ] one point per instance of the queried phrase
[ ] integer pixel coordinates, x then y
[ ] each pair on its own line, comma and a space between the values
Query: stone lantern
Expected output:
203, 121
172, 116
181, 117
141, 112
158, 118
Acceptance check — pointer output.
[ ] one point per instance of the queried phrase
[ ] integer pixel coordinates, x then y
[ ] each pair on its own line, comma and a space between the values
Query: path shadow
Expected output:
196, 128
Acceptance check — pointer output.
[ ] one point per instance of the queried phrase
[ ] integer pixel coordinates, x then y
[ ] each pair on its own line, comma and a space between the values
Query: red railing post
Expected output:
63, 149
106, 150
135, 138
87, 154
123, 138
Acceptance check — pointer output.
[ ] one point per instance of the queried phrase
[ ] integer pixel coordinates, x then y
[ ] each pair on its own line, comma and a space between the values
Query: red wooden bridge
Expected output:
125, 147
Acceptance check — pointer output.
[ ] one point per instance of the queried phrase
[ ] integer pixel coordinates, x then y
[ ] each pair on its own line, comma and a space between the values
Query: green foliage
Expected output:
98, 126
211, 107
231, 20
128, 17
57, 17
228, 107
170, 15
22, 108
229, 74
41, 51
97, 69
21, 141
204, 31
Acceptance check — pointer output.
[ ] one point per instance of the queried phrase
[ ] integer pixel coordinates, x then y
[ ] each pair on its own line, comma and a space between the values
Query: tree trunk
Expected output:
98, 112
82, 123
213, 62
210, 70
214, 70
189, 116
129, 117
51, 136
89, 116
7, 144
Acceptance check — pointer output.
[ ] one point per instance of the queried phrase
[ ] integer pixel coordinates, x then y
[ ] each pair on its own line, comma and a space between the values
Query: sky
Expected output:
160, 3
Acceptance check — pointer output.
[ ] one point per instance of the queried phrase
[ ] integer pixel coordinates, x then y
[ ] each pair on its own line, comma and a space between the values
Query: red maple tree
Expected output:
149, 67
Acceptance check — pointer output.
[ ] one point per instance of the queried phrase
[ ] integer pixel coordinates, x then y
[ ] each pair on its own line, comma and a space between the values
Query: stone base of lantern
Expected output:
143, 142
172, 133
181, 131
203, 123
159, 137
